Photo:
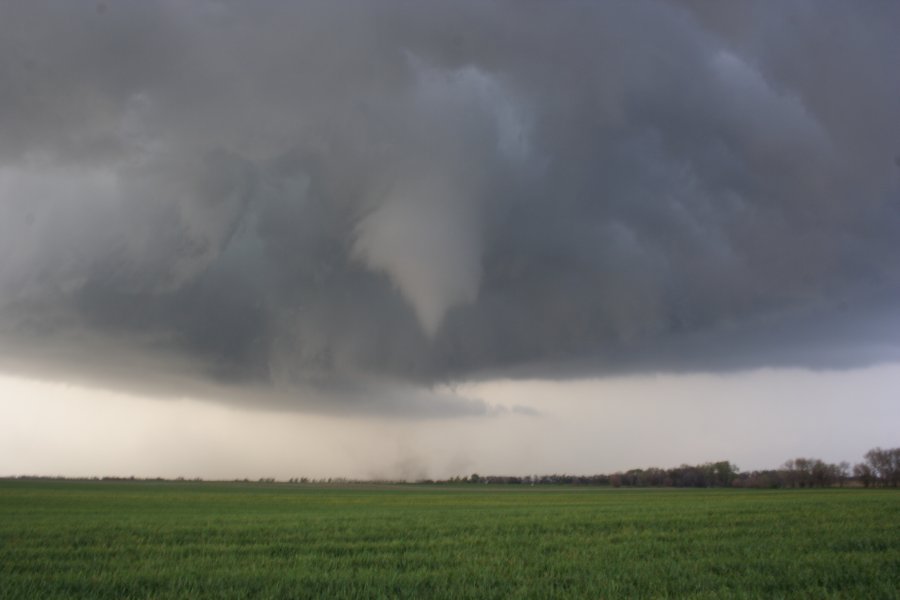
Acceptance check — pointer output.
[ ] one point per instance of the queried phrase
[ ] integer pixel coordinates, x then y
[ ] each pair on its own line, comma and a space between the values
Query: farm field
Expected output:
64, 539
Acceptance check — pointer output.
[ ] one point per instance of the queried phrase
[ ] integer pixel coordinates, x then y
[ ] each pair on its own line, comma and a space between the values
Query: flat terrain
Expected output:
208, 540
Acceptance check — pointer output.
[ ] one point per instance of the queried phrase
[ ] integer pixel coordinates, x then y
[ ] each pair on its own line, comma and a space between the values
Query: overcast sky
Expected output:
394, 238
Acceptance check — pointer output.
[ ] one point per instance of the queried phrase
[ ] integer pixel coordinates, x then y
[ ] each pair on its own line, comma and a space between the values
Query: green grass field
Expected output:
207, 540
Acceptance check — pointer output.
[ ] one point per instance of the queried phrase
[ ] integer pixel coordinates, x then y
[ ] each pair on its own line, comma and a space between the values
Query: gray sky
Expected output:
375, 213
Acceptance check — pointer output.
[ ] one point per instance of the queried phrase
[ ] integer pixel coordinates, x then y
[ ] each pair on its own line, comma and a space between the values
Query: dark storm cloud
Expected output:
362, 196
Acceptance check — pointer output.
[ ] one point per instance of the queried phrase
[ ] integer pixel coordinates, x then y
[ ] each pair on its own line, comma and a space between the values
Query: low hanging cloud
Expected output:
309, 201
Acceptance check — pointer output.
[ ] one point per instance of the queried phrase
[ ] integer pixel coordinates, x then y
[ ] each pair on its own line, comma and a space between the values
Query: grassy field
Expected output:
206, 540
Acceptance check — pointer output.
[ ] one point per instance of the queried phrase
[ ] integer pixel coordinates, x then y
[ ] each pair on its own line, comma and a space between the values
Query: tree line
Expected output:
880, 467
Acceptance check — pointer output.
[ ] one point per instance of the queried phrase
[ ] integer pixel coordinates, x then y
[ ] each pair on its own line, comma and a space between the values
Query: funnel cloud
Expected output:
347, 204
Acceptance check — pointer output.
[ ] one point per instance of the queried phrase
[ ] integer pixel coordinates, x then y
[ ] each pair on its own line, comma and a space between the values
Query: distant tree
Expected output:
762, 479
812, 472
724, 473
842, 472
884, 465
803, 470
821, 474
863, 472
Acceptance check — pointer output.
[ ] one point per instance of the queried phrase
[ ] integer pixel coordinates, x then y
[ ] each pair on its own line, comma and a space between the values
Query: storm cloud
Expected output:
368, 199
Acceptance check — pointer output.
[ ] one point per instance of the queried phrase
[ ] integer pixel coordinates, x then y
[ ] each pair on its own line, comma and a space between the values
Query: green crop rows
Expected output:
206, 540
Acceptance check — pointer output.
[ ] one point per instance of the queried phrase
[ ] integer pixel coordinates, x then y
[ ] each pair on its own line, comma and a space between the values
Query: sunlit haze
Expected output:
756, 420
